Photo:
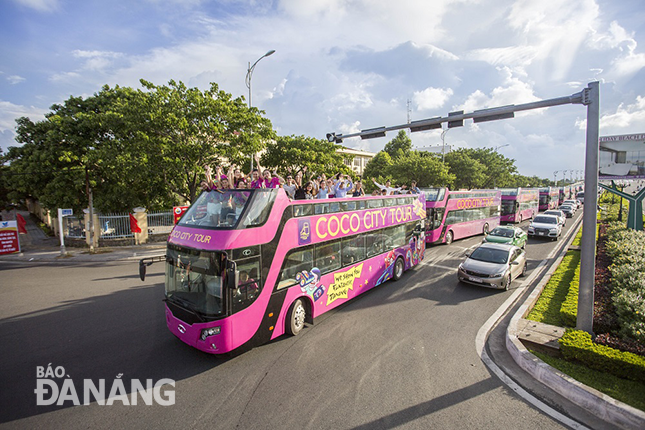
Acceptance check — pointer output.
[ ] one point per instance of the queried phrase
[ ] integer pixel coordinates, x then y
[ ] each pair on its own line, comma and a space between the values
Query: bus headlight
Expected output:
210, 332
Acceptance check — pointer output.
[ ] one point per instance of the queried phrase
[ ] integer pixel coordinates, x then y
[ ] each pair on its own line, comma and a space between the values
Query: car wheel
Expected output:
449, 237
523, 274
296, 318
506, 283
399, 267
486, 228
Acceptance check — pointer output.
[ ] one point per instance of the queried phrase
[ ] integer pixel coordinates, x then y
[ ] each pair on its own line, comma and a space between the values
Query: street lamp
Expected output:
555, 178
501, 146
249, 74
443, 144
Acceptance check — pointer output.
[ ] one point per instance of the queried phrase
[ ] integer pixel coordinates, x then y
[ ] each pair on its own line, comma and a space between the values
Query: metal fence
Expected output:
160, 222
115, 226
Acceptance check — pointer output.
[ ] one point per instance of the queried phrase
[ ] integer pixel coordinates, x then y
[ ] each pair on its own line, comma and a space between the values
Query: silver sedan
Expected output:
493, 265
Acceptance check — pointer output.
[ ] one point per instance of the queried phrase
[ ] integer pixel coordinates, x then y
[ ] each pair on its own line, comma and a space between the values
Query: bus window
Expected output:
377, 243
295, 262
321, 208
303, 210
353, 249
248, 284
397, 234
328, 257
375, 203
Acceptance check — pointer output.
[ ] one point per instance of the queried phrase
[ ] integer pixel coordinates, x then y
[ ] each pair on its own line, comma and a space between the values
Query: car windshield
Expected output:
502, 232
545, 220
489, 255
552, 213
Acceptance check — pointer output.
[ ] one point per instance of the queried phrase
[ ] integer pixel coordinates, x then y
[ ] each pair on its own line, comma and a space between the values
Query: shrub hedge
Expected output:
576, 345
627, 251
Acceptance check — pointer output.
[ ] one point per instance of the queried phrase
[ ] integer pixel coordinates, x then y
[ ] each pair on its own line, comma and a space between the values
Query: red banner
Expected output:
9, 242
178, 211
134, 225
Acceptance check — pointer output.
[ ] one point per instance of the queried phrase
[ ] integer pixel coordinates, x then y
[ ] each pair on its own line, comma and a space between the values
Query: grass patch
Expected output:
547, 308
629, 392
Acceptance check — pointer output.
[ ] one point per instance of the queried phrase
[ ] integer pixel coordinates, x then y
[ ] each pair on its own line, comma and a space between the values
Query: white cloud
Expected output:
9, 112
15, 79
431, 98
40, 5
65, 77
514, 91
626, 119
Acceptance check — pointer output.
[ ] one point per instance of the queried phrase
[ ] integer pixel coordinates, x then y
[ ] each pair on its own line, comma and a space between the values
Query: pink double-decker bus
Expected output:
549, 198
246, 266
459, 214
519, 204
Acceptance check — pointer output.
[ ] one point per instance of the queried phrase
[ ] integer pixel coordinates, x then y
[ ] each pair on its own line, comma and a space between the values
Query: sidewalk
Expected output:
37, 246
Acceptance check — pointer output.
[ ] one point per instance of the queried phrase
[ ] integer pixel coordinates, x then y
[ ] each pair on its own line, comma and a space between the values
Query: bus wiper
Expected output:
187, 306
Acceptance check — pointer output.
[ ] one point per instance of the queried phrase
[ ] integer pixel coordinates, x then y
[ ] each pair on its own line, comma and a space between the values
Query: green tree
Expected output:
185, 129
300, 153
378, 167
428, 171
468, 172
499, 169
400, 145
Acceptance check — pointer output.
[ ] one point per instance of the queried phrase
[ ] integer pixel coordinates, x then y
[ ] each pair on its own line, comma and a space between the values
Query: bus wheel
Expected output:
486, 228
399, 267
296, 318
449, 237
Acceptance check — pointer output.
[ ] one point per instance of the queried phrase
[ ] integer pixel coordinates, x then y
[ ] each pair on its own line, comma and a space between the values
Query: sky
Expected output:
347, 65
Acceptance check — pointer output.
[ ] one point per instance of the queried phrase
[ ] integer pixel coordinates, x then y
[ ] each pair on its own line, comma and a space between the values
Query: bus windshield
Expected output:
194, 280
434, 194
230, 209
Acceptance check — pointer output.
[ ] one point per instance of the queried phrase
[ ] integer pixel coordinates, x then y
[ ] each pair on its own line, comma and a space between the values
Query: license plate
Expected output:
472, 279
541, 233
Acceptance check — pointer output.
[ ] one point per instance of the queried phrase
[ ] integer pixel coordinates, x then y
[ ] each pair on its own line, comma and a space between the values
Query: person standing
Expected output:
358, 190
413, 188
343, 185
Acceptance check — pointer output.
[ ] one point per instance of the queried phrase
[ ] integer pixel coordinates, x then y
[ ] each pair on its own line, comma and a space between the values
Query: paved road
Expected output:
402, 355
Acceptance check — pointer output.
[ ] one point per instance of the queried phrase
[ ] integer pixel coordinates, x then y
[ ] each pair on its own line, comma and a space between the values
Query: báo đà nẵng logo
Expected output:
54, 386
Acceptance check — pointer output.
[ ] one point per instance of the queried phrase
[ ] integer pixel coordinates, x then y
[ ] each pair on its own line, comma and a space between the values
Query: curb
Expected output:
599, 404
104, 255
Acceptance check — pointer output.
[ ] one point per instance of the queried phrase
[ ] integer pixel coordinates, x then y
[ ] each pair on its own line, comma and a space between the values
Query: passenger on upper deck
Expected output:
270, 180
343, 185
389, 190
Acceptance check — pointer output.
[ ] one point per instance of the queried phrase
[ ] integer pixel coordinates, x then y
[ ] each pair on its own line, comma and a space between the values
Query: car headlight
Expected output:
531, 228
499, 275
554, 230
461, 266
210, 332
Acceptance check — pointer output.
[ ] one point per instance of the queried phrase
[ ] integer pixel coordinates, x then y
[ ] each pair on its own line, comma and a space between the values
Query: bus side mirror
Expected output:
142, 270
232, 275
143, 264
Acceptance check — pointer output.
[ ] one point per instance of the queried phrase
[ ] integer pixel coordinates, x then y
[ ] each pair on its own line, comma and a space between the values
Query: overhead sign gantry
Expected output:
589, 97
